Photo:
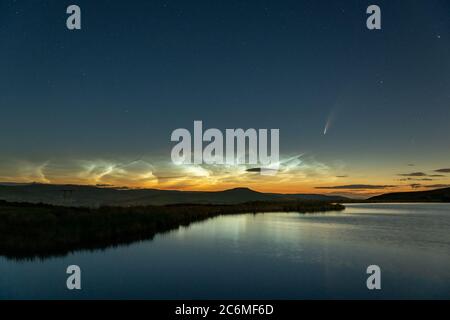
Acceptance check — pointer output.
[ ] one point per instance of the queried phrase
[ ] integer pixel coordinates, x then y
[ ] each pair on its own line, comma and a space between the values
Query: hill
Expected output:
94, 196
437, 195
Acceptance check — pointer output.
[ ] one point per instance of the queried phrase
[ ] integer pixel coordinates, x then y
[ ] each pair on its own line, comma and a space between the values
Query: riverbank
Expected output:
40, 230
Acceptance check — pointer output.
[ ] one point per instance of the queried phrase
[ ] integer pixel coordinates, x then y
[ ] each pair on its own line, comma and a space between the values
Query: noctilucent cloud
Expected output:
359, 111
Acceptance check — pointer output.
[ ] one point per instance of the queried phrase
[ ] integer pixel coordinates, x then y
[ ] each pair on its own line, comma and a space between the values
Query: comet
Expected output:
326, 127
328, 123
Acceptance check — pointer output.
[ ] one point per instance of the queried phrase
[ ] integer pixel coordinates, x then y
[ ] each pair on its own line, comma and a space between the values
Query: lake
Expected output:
263, 256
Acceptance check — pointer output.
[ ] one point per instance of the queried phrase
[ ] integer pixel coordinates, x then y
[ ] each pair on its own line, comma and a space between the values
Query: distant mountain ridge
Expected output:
94, 196
437, 195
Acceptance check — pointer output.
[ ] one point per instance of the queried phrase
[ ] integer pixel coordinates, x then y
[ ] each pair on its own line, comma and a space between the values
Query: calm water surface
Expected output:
273, 255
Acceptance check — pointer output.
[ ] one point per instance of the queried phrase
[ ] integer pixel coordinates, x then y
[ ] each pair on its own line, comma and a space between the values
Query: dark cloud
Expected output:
410, 165
358, 186
259, 169
341, 176
436, 186
444, 170
413, 174
436, 175
429, 186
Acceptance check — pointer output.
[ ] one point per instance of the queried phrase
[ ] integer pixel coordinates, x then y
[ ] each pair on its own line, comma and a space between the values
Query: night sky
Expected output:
98, 105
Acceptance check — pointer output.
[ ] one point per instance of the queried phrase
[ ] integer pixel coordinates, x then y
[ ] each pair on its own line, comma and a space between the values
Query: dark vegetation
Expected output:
42, 230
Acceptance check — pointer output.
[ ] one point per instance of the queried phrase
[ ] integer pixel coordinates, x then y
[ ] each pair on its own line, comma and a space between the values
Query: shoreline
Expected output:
29, 231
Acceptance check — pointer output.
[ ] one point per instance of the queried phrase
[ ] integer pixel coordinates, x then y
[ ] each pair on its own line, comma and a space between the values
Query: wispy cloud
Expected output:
416, 179
148, 172
413, 174
358, 186
94, 171
16, 170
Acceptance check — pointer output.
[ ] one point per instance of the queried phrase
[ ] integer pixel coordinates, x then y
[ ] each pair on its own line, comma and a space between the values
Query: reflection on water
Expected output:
273, 255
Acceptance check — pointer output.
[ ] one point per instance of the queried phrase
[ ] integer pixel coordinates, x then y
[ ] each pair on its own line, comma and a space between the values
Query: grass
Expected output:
38, 230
